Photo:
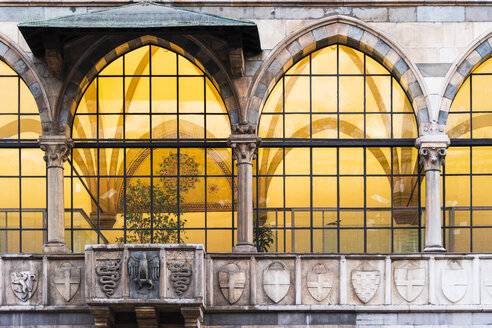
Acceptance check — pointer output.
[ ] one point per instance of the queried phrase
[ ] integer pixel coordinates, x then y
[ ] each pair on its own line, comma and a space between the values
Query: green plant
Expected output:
167, 194
263, 236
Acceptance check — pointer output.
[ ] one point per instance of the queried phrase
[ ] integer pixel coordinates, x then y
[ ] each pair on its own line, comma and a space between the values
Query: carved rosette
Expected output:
56, 148
432, 158
244, 143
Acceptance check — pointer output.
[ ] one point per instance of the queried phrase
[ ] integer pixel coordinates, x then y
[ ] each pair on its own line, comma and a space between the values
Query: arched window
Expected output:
468, 169
22, 173
337, 170
150, 162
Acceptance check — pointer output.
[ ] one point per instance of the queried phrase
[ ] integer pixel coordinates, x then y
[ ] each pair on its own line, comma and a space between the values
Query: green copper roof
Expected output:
143, 16
138, 15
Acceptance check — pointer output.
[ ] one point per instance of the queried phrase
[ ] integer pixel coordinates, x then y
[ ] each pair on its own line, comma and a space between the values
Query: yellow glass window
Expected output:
23, 172
468, 167
134, 180
327, 189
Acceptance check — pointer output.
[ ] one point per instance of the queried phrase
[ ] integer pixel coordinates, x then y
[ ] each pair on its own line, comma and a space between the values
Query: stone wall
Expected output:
153, 283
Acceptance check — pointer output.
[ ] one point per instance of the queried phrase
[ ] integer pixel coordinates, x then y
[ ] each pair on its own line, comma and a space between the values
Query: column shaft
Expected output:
56, 152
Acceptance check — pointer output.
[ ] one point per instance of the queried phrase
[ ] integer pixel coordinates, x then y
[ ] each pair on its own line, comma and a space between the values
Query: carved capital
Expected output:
432, 157
56, 149
244, 148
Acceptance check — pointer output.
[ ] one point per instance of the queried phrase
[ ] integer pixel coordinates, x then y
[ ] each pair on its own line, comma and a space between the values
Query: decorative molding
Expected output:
244, 144
56, 148
432, 157
24, 284
67, 280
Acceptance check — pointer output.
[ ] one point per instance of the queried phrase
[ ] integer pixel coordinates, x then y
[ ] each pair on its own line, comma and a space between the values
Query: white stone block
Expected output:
419, 35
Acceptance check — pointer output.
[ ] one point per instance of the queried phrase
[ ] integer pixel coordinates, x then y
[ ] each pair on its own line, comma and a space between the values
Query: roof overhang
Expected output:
139, 18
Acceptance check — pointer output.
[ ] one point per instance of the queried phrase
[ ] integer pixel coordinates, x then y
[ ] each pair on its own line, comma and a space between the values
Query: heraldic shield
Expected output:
67, 280
24, 284
319, 282
365, 281
232, 282
276, 281
454, 281
409, 281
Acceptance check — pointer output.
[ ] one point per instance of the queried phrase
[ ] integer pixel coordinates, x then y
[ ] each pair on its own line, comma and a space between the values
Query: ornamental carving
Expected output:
276, 281
67, 280
232, 281
432, 158
319, 282
454, 281
243, 152
56, 150
409, 280
365, 281
109, 276
180, 277
143, 270
24, 284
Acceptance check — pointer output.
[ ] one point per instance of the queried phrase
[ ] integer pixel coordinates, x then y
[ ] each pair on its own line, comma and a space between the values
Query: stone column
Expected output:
244, 142
56, 150
432, 149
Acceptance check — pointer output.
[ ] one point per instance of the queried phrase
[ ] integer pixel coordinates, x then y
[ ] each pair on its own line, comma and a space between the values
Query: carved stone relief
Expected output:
276, 281
365, 281
24, 284
180, 277
180, 265
232, 282
67, 280
319, 282
409, 279
109, 276
143, 273
454, 281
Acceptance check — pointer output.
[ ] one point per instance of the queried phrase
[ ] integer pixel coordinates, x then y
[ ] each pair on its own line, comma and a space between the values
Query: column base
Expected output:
244, 248
434, 249
55, 248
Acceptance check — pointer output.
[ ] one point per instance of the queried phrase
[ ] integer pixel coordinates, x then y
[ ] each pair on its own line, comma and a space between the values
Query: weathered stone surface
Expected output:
440, 14
371, 14
320, 280
402, 14
365, 283
454, 281
23, 282
66, 281
478, 14
410, 282
275, 281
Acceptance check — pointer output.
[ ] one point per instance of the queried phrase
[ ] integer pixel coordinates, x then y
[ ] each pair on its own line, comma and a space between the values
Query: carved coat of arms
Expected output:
67, 280
365, 281
180, 276
276, 281
24, 284
319, 282
144, 271
109, 276
454, 281
409, 281
232, 282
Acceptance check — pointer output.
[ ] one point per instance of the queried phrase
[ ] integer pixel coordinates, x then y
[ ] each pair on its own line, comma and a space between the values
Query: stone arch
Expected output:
23, 66
477, 53
347, 31
108, 49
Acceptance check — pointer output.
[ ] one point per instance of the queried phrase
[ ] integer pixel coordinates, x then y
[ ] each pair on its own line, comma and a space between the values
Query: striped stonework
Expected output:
347, 31
13, 56
479, 52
